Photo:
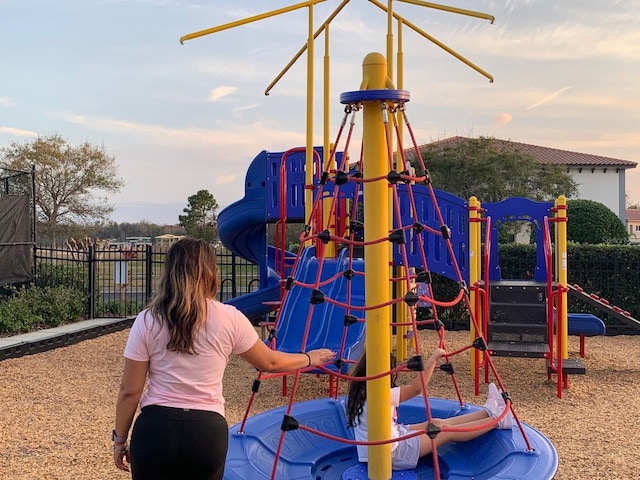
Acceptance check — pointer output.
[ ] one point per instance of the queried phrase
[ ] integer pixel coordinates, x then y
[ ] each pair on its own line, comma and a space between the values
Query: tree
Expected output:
68, 180
629, 203
593, 223
200, 220
492, 171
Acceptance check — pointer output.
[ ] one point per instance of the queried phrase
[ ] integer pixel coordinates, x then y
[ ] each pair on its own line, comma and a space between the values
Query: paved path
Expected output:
50, 338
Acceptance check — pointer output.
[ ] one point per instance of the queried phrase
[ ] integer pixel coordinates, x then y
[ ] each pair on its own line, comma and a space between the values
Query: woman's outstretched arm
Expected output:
268, 360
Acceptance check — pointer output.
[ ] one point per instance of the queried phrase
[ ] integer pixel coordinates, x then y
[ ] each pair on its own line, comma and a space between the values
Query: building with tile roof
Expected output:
633, 225
601, 179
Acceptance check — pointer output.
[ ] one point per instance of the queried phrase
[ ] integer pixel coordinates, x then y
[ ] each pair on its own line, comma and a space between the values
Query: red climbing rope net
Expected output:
326, 223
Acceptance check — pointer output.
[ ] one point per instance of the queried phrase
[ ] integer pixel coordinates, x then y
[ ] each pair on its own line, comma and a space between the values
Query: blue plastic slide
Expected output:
327, 320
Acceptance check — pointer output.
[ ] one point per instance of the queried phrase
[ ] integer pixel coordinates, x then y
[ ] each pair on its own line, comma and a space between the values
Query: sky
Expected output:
179, 118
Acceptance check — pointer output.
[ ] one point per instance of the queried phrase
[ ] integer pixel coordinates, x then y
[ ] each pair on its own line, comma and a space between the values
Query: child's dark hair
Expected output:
358, 389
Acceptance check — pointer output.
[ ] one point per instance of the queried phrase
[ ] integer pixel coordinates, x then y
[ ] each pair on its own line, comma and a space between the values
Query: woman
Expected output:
406, 453
180, 346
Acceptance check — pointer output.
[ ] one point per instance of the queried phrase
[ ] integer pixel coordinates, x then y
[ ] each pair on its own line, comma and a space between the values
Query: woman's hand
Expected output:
321, 356
121, 456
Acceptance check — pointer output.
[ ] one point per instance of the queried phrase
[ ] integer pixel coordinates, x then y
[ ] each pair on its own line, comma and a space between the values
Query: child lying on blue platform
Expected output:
407, 452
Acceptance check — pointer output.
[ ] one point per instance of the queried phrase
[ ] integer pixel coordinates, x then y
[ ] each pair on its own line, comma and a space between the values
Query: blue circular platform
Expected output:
381, 95
497, 455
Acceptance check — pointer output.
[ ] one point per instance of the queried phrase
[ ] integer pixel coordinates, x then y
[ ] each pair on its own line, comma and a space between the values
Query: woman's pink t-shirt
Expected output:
181, 380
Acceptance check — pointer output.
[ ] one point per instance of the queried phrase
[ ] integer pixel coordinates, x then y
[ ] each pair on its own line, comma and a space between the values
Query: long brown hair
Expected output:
357, 395
189, 278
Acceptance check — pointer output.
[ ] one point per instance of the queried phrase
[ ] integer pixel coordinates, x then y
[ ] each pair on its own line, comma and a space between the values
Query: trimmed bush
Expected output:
594, 223
32, 308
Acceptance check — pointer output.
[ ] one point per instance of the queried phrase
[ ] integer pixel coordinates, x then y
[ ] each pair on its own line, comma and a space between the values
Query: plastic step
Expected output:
517, 333
570, 366
518, 349
518, 313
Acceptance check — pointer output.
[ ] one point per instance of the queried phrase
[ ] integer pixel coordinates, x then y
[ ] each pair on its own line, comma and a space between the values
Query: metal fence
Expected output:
118, 282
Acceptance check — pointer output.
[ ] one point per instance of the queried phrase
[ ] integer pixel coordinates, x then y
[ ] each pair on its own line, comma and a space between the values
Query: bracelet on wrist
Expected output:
309, 357
116, 439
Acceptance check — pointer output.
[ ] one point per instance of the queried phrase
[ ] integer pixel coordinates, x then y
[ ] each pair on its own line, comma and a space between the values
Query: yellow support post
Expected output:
308, 196
402, 309
376, 260
330, 248
561, 249
475, 256
393, 273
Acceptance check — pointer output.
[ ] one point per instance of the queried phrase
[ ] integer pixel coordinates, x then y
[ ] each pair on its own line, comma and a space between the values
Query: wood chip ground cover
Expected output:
58, 406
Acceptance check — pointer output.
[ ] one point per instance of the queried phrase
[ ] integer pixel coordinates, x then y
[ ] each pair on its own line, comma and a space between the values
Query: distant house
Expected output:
601, 179
633, 225
166, 239
138, 240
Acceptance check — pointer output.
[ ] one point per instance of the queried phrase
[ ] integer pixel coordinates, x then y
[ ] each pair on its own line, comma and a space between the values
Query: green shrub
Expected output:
59, 305
31, 308
116, 308
594, 223
72, 276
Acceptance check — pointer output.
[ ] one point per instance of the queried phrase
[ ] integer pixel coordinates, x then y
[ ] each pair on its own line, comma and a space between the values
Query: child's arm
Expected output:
415, 387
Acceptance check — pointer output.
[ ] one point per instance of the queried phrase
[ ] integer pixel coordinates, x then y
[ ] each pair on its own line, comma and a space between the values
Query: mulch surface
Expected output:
58, 406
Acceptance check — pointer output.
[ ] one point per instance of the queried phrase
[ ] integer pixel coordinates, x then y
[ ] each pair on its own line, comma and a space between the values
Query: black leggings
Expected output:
178, 444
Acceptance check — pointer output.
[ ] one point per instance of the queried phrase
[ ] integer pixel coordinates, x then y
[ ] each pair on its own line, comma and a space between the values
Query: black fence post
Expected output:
149, 273
91, 261
234, 289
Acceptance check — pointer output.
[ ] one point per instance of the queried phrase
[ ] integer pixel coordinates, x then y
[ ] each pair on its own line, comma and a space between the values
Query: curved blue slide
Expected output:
242, 227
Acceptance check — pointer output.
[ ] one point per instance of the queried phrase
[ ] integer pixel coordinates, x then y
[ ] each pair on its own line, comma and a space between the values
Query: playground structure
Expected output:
407, 231
323, 306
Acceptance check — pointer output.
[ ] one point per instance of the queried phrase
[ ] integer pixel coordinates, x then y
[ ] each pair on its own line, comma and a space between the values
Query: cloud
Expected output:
248, 107
220, 92
222, 179
232, 135
6, 101
548, 98
18, 132
503, 119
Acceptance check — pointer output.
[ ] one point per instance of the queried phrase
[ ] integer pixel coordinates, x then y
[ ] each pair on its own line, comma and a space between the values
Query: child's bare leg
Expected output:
466, 418
460, 419
426, 444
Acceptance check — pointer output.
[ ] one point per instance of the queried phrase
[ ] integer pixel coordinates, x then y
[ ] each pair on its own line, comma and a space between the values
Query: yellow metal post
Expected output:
308, 196
475, 255
376, 261
561, 248
330, 248
403, 313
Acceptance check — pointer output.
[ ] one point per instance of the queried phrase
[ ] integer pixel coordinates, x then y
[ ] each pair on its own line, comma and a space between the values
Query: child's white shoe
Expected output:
495, 405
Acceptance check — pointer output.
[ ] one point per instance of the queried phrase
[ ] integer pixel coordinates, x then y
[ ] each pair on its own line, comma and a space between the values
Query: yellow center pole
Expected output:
561, 248
376, 264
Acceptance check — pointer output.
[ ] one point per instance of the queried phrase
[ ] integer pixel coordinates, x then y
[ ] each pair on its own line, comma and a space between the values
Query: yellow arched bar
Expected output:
244, 21
561, 249
376, 264
432, 39
446, 8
